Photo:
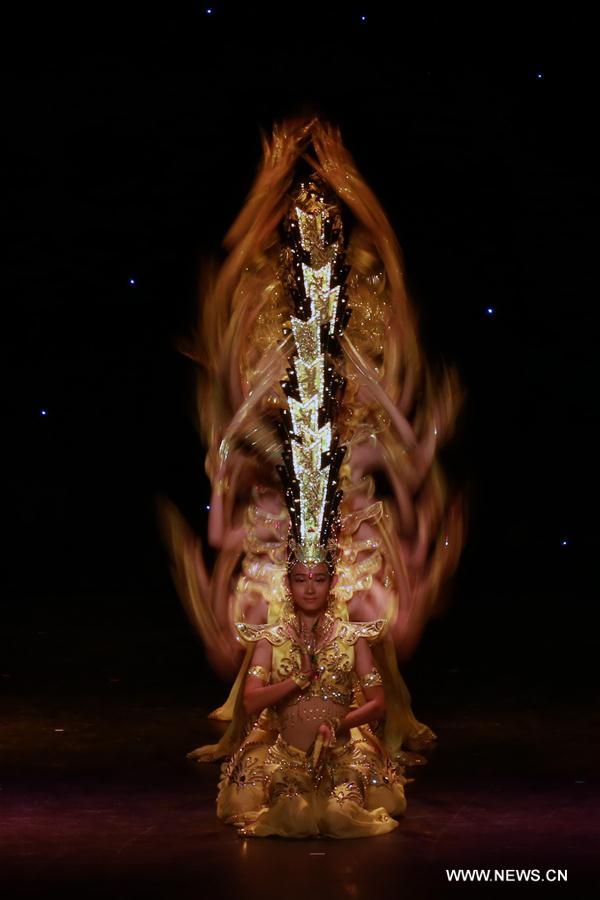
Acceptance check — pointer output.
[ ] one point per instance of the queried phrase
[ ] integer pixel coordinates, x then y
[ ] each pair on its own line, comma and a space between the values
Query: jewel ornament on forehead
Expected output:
314, 273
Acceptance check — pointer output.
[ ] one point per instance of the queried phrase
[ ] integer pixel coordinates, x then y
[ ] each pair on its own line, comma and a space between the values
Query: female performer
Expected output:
311, 763
312, 385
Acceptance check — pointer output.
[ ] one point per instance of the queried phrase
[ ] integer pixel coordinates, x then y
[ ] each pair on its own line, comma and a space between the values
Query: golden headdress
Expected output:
313, 271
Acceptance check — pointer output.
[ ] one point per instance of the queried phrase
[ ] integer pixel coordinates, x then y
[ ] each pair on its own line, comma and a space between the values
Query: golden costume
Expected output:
271, 787
311, 380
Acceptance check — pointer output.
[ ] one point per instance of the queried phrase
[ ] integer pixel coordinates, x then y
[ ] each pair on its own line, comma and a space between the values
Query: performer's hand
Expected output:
307, 674
306, 667
325, 730
321, 743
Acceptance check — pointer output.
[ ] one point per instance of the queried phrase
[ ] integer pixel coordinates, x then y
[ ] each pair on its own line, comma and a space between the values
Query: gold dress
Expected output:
272, 786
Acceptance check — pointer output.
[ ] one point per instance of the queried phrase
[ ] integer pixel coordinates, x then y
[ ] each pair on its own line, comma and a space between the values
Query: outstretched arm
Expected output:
219, 535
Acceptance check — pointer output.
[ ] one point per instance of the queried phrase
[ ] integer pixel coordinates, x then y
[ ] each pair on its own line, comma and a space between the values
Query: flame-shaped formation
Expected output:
311, 382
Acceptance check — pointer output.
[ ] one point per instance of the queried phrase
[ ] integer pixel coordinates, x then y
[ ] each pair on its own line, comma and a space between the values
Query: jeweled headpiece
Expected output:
314, 272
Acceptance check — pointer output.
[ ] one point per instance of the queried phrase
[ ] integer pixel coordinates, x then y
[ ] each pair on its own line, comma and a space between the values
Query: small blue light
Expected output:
539, 75
363, 18
132, 281
490, 310
564, 543
43, 412
208, 507
209, 11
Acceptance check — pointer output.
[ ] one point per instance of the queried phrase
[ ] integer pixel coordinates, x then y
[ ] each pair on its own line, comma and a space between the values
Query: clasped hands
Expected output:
306, 674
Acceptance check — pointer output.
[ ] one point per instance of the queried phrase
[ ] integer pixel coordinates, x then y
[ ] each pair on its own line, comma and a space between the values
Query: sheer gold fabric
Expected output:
269, 787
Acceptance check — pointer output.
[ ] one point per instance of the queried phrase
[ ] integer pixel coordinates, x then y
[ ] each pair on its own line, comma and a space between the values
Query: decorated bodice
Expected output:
333, 655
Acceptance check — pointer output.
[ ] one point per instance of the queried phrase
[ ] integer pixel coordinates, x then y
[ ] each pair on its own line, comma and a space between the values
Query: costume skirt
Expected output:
269, 787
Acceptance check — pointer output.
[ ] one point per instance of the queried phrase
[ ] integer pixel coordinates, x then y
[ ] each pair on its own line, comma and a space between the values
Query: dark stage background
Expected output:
129, 153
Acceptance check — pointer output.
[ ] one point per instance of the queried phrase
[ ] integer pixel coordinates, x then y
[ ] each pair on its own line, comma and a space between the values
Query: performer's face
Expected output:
310, 587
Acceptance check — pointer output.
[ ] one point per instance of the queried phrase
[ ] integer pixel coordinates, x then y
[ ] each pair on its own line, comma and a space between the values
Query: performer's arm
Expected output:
219, 536
258, 695
374, 695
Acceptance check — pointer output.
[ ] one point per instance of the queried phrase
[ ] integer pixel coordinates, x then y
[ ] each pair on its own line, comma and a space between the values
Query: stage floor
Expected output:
98, 798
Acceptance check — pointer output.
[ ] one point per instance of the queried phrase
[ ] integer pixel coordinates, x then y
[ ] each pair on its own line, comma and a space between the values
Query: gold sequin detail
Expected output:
371, 679
351, 632
274, 634
259, 672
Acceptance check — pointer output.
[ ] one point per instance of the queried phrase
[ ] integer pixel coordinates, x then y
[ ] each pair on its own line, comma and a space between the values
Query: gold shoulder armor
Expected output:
350, 632
274, 634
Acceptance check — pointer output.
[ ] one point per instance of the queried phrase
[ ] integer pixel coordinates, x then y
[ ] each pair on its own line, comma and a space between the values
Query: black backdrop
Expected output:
131, 145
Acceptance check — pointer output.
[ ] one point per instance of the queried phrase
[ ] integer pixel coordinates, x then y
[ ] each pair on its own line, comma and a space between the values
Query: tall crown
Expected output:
314, 271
